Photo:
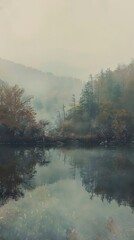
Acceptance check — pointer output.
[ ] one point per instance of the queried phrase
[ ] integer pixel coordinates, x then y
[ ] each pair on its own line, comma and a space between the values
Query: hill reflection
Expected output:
56, 203
108, 174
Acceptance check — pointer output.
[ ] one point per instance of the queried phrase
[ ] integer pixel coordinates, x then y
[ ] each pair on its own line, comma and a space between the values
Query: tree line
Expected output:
105, 107
104, 110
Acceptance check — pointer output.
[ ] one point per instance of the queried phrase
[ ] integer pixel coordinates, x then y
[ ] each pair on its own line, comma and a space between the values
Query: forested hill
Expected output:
50, 91
117, 85
103, 111
105, 106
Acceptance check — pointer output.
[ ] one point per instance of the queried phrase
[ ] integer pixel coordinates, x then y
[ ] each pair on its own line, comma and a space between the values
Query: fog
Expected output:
67, 37
49, 91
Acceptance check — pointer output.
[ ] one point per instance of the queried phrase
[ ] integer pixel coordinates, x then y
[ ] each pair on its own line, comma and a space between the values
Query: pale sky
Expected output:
67, 37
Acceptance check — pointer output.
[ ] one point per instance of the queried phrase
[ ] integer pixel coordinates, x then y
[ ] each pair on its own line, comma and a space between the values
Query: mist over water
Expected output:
66, 194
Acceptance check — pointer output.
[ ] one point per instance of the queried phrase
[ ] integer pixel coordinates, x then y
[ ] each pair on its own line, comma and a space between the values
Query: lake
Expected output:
66, 194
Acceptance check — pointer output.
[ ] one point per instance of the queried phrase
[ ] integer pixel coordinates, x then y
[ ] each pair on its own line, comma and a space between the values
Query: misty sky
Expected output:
67, 37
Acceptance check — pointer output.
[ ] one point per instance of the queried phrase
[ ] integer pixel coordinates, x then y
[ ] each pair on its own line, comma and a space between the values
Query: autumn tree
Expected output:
16, 113
123, 125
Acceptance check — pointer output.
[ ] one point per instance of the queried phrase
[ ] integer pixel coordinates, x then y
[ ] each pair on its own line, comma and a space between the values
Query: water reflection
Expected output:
17, 169
63, 200
107, 173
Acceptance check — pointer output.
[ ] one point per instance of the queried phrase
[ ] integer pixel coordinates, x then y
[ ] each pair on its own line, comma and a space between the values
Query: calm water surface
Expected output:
66, 194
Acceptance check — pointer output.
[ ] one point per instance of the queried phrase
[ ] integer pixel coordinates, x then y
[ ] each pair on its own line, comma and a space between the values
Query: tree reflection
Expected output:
109, 175
17, 169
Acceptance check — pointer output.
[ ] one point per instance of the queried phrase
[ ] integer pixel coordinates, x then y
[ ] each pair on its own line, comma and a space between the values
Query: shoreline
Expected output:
82, 141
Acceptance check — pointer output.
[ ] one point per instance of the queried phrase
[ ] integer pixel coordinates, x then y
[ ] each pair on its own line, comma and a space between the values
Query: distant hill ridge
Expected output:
50, 91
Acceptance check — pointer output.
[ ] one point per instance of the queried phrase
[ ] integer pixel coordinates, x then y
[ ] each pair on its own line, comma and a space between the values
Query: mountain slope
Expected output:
50, 92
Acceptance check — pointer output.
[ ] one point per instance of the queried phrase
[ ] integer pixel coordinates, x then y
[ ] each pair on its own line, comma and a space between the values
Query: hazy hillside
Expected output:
50, 92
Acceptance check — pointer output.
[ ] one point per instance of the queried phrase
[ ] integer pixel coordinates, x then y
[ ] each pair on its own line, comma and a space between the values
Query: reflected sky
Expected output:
67, 194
